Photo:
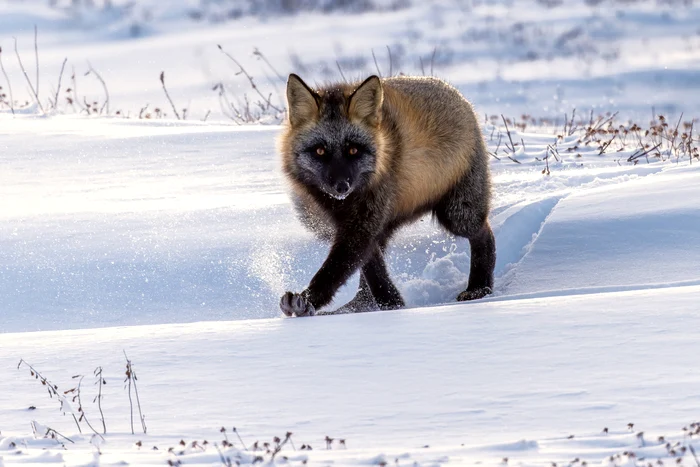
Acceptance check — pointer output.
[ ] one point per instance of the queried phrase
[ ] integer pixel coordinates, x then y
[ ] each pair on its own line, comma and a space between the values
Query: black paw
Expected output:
293, 304
474, 294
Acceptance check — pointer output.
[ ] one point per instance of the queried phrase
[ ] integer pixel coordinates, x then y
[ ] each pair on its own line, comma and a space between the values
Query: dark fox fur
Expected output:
363, 159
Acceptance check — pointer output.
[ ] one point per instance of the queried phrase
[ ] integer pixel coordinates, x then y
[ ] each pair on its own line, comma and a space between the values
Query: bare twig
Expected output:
50, 432
104, 87
554, 152
52, 390
162, 81
9, 85
100, 382
675, 134
128, 381
636, 156
512, 146
692, 451
571, 123
606, 145
58, 89
239, 438
379, 72
545, 171
341, 71
24, 72
422, 68
75, 90
279, 445
131, 377
206, 116
224, 460
250, 79
432, 60
36, 58
260, 55
76, 397
391, 62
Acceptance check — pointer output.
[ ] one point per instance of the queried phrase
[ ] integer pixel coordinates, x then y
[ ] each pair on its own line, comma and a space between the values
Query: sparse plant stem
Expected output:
104, 87
391, 62
341, 71
9, 85
239, 438
131, 403
131, 378
260, 55
374, 57
250, 79
50, 387
36, 58
75, 91
83, 415
512, 146
279, 445
162, 81
692, 451
24, 72
224, 460
58, 89
51, 432
100, 382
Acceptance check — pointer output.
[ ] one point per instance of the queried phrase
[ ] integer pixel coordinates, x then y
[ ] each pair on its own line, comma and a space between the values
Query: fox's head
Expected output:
332, 135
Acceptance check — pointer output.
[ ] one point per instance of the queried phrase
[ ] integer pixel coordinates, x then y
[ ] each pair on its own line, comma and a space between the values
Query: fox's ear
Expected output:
302, 101
366, 101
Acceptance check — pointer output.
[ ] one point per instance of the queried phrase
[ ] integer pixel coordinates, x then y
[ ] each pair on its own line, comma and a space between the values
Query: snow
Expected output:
639, 233
173, 241
485, 375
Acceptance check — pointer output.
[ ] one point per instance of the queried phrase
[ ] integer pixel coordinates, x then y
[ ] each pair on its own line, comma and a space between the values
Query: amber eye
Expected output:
352, 151
320, 150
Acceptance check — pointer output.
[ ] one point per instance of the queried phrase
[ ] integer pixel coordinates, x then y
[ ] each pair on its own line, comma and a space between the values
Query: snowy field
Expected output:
173, 240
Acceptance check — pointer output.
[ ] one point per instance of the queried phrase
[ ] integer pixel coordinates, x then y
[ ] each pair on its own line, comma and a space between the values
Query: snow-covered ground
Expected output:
173, 241
457, 384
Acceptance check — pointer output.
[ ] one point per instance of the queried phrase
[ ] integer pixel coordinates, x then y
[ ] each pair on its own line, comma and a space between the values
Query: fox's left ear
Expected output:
302, 101
366, 102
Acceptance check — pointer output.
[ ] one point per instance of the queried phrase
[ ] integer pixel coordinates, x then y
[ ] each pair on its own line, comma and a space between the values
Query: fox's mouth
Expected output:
338, 196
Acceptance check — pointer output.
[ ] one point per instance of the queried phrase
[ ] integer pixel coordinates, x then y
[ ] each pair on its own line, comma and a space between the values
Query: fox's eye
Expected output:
320, 151
352, 151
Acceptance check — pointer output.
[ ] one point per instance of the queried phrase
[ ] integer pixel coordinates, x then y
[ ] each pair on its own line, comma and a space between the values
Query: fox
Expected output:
364, 159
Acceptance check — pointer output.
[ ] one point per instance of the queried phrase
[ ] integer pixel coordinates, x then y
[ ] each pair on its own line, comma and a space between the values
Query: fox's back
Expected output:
439, 137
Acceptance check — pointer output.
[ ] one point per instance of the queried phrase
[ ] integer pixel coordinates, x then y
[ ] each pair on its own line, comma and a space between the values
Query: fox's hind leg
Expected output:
385, 293
376, 290
363, 300
464, 212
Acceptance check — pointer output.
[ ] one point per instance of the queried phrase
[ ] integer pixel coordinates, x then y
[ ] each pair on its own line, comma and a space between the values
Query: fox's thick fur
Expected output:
363, 159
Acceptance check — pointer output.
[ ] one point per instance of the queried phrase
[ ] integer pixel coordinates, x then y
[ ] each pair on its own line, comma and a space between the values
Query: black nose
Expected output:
342, 187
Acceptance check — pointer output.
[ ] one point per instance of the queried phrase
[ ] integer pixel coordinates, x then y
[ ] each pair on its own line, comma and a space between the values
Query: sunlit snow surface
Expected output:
109, 222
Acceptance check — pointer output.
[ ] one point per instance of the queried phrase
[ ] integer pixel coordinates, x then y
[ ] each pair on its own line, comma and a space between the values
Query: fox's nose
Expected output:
342, 187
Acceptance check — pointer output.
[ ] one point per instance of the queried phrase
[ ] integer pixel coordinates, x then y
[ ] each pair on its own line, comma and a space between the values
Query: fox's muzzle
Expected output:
340, 189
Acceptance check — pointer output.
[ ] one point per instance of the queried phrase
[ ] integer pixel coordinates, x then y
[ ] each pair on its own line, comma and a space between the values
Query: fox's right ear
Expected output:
302, 101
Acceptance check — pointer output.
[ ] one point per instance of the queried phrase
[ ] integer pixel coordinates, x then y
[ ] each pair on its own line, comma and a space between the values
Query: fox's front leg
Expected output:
348, 253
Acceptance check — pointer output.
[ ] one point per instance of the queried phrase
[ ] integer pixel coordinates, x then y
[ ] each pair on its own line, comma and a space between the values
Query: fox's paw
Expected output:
293, 304
474, 294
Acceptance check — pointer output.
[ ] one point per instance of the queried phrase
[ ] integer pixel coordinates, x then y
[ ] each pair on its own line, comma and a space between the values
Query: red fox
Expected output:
364, 159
